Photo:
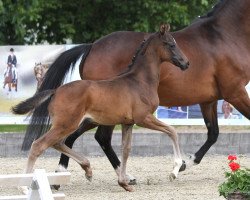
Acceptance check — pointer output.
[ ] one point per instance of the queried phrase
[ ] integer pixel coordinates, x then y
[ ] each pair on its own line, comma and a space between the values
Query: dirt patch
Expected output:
200, 182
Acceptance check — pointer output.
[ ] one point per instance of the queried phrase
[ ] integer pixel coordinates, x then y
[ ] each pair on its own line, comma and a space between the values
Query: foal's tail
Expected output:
54, 77
31, 103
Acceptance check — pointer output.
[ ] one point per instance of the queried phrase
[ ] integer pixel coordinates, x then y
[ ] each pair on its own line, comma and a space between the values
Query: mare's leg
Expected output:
126, 147
64, 160
209, 112
103, 136
152, 123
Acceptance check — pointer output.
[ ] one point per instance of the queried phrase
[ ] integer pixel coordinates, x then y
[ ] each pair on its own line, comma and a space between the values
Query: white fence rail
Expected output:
39, 184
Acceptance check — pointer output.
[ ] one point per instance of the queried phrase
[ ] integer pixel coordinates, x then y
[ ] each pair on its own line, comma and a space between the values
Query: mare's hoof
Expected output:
55, 187
172, 177
132, 182
183, 166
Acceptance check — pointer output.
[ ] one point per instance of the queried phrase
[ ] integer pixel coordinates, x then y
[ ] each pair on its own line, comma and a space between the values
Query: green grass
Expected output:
22, 128
12, 128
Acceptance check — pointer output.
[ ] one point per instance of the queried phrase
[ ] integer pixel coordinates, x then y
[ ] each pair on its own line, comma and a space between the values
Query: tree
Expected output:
54, 21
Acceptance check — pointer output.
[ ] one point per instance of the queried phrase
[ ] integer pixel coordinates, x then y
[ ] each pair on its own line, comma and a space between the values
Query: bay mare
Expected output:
131, 98
217, 46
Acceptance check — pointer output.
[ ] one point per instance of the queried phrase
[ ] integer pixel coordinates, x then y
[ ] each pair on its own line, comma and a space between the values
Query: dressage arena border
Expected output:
39, 183
147, 143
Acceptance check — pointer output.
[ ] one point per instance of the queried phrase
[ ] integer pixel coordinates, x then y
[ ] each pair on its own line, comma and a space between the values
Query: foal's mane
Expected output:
141, 50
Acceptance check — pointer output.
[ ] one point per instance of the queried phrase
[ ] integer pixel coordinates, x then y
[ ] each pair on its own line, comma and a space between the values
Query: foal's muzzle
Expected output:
181, 63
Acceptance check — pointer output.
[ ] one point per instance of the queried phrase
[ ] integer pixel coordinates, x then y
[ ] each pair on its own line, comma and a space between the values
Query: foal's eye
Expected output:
171, 45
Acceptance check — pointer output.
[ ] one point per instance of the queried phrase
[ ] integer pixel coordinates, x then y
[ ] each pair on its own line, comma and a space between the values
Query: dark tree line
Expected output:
55, 21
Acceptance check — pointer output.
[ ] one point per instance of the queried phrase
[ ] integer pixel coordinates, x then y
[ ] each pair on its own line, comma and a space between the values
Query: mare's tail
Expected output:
54, 77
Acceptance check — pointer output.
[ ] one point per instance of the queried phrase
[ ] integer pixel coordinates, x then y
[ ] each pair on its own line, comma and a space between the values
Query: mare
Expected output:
103, 102
40, 71
217, 46
10, 78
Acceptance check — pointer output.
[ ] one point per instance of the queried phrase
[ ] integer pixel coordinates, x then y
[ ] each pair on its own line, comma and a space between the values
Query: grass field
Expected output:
22, 128
12, 128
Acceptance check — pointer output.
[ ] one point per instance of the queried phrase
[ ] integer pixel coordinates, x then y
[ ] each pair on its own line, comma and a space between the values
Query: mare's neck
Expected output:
234, 15
229, 21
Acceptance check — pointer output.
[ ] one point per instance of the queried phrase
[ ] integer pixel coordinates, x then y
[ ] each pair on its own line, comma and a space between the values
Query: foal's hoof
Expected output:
88, 172
172, 176
183, 166
126, 187
89, 178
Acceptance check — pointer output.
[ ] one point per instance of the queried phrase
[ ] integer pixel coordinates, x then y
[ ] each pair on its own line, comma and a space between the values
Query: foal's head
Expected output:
169, 50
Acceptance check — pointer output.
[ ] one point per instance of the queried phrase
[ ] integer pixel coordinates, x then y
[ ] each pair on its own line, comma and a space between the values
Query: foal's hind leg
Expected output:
152, 123
64, 160
82, 161
37, 148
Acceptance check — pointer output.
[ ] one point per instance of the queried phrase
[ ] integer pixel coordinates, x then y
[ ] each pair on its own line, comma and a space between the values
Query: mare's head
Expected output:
169, 50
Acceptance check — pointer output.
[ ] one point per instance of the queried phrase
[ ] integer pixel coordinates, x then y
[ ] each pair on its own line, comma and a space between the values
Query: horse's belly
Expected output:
184, 94
110, 117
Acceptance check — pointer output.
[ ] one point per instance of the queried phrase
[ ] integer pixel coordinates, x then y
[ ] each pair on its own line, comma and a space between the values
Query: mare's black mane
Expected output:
214, 9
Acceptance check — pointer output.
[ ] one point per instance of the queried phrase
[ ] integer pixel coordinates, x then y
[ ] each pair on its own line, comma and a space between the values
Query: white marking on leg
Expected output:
61, 168
177, 166
129, 178
190, 161
177, 160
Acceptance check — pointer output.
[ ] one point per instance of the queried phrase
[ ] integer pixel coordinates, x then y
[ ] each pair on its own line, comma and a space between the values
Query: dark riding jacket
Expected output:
12, 60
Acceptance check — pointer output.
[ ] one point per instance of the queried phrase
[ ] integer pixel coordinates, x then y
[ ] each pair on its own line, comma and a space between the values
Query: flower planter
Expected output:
237, 180
237, 196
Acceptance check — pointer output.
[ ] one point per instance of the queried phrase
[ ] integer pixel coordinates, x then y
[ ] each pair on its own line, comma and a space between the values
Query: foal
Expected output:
131, 98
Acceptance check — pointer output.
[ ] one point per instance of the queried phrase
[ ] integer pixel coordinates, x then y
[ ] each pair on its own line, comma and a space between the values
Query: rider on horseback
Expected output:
10, 74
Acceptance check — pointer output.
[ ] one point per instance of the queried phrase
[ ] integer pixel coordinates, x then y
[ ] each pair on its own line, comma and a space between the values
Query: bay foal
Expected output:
131, 98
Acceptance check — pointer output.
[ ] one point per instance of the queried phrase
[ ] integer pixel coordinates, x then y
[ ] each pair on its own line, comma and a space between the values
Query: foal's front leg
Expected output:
126, 147
152, 123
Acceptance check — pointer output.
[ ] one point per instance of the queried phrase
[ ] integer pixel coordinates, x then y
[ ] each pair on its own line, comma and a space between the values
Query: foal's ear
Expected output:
164, 28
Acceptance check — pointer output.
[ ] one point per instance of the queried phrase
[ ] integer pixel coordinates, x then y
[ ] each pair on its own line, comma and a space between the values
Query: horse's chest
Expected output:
150, 101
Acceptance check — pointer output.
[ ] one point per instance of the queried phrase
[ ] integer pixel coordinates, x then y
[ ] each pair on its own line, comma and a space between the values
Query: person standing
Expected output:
12, 58
227, 110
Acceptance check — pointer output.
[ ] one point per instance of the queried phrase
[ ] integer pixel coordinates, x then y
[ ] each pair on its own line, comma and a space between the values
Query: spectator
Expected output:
227, 110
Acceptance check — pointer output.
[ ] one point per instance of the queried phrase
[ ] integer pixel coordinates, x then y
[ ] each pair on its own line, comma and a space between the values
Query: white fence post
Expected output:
39, 184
